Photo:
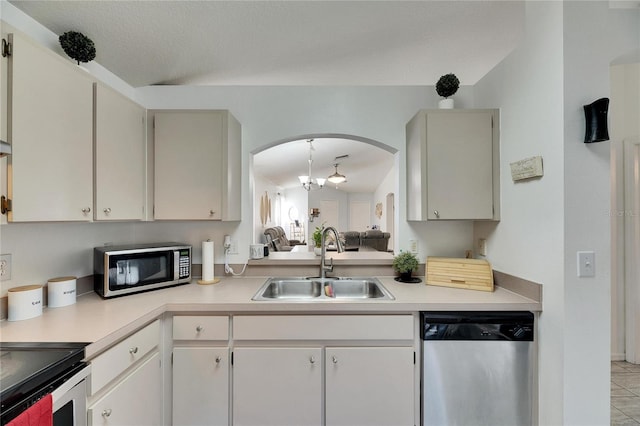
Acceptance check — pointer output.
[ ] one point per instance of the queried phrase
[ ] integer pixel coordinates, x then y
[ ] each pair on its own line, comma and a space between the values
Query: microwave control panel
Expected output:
184, 264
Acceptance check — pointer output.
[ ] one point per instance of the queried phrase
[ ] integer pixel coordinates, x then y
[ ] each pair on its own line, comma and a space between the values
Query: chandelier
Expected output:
337, 177
308, 182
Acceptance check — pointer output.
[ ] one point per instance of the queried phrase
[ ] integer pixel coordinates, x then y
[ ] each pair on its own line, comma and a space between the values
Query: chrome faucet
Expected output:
328, 268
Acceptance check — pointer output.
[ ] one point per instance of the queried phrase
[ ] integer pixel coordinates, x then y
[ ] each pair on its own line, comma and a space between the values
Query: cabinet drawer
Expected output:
317, 327
118, 358
200, 328
136, 400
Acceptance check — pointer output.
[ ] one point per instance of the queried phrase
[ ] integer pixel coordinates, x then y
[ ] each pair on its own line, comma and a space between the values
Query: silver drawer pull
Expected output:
199, 328
436, 213
86, 210
211, 212
218, 359
133, 350
312, 360
107, 210
334, 359
106, 413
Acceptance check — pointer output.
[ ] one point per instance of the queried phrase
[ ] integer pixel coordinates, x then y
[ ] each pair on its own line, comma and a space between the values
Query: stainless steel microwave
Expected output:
126, 269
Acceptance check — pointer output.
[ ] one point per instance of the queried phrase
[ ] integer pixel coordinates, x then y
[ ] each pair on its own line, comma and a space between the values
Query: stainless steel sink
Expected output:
322, 289
279, 288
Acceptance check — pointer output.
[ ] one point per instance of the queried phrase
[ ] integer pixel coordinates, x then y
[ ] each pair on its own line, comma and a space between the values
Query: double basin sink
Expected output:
319, 289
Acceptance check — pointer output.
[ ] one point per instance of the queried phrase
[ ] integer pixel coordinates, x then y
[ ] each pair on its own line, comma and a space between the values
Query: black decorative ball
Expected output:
447, 85
78, 46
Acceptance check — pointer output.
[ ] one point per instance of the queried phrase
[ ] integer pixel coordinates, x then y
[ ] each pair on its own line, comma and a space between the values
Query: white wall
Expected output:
594, 36
270, 114
528, 241
562, 64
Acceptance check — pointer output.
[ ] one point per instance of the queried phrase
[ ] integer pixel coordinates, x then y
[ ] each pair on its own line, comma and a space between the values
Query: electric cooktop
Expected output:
28, 371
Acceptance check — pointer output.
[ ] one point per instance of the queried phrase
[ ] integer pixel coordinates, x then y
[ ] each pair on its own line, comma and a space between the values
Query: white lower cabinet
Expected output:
136, 400
277, 386
324, 370
201, 386
200, 370
369, 386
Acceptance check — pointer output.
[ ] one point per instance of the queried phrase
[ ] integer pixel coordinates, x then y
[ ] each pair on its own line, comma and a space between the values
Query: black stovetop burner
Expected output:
28, 371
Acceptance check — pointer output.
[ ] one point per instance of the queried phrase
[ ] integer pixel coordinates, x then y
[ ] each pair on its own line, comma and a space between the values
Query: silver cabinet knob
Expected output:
211, 212
199, 328
106, 413
86, 210
107, 210
218, 359
436, 213
133, 350
334, 359
312, 359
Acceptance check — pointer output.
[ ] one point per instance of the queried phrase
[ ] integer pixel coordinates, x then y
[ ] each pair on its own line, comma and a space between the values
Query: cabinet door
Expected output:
369, 386
188, 165
51, 132
119, 157
277, 386
459, 165
201, 386
136, 400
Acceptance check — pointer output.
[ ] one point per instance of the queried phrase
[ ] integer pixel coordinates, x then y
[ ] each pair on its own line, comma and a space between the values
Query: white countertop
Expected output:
103, 322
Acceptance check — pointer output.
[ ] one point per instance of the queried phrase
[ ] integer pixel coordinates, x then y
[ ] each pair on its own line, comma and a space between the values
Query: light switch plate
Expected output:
413, 246
586, 264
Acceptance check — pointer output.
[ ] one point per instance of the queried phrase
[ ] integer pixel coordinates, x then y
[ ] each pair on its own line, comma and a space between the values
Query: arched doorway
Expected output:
368, 165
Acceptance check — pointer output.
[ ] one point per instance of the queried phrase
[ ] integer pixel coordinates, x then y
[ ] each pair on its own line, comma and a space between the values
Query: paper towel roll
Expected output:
207, 261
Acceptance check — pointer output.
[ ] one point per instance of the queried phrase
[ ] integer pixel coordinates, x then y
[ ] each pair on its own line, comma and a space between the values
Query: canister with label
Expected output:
61, 291
24, 302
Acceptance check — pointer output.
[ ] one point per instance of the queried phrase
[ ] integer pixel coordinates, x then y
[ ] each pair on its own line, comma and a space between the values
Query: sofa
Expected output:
376, 239
277, 239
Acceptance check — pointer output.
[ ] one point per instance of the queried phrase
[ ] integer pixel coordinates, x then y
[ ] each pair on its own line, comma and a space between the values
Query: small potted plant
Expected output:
405, 263
447, 86
78, 46
317, 239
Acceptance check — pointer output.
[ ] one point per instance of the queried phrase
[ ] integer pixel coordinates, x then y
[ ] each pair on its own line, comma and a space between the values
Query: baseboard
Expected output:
618, 357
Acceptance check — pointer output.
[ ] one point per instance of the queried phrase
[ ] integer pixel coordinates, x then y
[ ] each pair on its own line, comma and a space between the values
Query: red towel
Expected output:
39, 414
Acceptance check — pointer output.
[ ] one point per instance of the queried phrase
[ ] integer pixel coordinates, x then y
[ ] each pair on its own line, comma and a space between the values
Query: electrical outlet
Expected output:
413, 246
482, 246
5, 267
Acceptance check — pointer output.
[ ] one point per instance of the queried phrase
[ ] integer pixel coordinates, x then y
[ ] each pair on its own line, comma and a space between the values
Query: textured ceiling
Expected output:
294, 43
289, 42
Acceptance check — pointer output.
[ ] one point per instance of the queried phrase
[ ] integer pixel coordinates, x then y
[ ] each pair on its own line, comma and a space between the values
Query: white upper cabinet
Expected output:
196, 165
120, 166
50, 128
453, 165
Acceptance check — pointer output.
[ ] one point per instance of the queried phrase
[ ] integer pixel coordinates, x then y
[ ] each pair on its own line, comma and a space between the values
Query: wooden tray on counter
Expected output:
472, 274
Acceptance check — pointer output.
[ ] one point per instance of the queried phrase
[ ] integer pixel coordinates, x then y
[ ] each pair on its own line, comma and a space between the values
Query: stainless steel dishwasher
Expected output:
477, 368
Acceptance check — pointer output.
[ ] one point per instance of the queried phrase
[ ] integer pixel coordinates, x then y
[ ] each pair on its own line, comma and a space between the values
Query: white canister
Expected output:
256, 251
61, 291
25, 302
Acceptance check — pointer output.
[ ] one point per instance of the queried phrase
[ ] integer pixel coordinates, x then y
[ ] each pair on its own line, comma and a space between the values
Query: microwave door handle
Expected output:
176, 265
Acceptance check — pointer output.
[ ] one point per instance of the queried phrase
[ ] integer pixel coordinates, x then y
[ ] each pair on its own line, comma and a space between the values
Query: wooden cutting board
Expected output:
472, 274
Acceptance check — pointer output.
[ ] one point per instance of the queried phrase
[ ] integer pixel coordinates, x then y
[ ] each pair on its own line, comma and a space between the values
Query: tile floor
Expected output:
625, 394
